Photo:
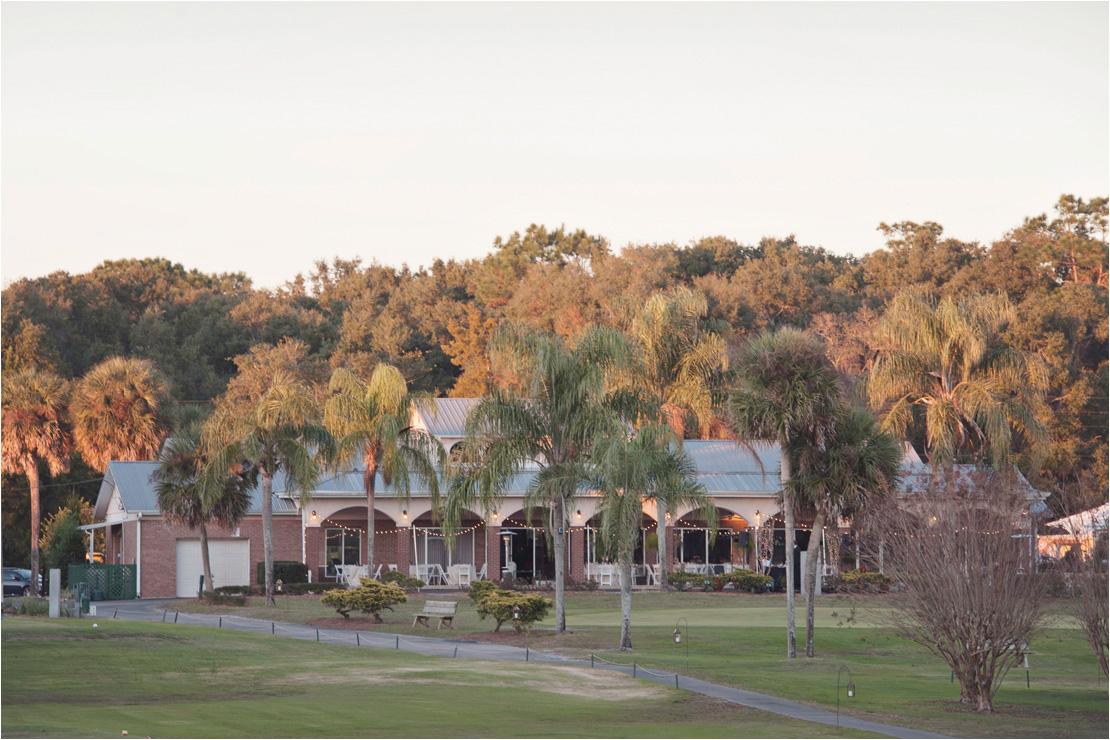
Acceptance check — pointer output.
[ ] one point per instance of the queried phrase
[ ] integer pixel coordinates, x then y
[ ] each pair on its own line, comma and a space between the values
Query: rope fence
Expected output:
434, 646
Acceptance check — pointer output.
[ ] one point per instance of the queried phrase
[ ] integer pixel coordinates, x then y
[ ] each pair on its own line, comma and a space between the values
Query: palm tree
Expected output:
34, 432
563, 409
629, 472
677, 357
373, 421
855, 462
119, 412
941, 363
178, 483
277, 430
786, 390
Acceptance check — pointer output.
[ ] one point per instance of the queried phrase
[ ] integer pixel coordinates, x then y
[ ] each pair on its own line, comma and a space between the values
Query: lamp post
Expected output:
851, 690
678, 638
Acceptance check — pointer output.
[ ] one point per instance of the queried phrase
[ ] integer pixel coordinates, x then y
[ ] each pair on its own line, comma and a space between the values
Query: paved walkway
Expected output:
151, 611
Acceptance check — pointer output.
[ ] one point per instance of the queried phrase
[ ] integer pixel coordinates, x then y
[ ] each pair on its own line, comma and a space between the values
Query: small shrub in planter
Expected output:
372, 597
500, 604
680, 579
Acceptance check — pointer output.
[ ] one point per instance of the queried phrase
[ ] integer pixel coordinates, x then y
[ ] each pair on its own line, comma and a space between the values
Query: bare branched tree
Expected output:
1086, 571
965, 590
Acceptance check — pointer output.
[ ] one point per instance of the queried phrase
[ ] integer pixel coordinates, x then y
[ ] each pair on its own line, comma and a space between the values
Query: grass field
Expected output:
63, 678
739, 640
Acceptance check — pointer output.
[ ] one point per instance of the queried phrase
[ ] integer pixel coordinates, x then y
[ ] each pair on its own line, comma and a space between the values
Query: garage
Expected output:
230, 564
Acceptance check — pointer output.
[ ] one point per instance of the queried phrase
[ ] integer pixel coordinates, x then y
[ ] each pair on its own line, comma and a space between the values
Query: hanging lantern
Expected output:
851, 689
677, 636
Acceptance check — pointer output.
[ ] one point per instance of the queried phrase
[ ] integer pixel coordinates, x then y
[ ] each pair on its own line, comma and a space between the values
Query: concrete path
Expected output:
152, 611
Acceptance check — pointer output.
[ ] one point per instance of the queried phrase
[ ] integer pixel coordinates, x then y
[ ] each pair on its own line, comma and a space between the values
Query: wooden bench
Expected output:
442, 610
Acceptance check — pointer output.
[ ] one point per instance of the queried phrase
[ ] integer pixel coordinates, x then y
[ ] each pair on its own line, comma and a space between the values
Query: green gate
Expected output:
113, 581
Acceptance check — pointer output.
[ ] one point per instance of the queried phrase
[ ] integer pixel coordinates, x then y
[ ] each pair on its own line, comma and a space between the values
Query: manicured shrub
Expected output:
500, 604
746, 580
864, 581
244, 590
408, 583
478, 589
286, 571
372, 597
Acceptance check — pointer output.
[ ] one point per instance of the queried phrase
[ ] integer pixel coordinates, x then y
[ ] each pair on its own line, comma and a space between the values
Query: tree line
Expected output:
434, 323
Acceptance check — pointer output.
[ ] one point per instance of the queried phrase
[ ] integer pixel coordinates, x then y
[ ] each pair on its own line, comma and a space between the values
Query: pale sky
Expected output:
261, 137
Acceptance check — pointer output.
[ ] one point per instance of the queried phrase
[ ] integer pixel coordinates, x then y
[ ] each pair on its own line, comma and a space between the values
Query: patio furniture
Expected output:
482, 573
392, 566
462, 574
509, 570
605, 575
353, 573
444, 611
378, 573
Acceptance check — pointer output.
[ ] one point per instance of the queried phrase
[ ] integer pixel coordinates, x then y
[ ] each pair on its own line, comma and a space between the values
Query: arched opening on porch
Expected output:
525, 550
344, 541
430, 543
696, 547
598, 553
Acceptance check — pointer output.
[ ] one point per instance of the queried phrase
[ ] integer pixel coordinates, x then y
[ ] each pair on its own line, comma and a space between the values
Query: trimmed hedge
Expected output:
680, 579
286, 571
864, 581
243, 590
746, 580
318, 587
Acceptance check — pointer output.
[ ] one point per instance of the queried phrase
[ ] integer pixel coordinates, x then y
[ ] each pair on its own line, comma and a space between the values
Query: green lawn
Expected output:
739, 640
64, 678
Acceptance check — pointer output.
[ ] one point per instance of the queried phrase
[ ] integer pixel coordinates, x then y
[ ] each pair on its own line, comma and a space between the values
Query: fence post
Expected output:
676, 680
591, 660
163, 615
175, 616
633, 669
525, 655
221, 622
357, 642
397, 642
272, 629
456, 653
317, 634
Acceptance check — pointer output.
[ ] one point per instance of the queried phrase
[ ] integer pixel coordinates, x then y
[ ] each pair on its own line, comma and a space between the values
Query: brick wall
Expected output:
158, 568
577, 556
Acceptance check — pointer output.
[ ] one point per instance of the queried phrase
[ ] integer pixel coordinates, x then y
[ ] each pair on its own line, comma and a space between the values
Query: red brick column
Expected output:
577, 567
404, 549
493, 554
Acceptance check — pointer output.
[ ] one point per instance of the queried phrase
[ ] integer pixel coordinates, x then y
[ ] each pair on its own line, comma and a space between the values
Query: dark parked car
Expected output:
17, 582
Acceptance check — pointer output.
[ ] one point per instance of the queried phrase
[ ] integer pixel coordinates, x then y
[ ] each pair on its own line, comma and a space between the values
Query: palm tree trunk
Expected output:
661, 532
557, 517
813, 556
368, 481
268, 534
32, 472
205, 560
626, 602
788, 519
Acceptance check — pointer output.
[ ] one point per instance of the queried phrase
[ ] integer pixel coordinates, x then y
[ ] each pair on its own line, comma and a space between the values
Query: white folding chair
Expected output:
464, 574
605, 575
482, 573
392, 566
378, 573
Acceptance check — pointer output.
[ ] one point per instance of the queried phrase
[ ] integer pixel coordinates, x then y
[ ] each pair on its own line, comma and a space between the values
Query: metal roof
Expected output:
449, 418
916, 477
135, 483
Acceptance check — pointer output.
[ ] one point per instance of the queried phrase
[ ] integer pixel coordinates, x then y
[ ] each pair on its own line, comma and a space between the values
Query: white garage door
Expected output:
230, 564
